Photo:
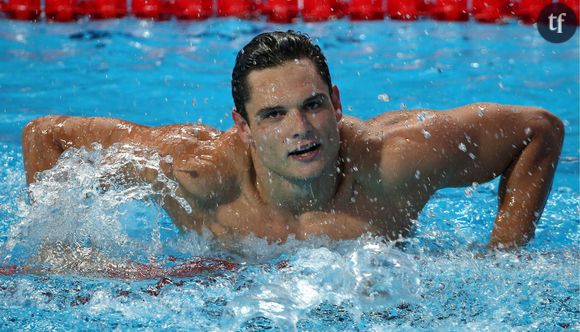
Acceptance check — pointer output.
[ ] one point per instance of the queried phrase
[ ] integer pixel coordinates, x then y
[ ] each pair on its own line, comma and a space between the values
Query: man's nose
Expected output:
299, 123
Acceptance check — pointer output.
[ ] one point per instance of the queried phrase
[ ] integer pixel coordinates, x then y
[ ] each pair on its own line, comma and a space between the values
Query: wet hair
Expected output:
272, 49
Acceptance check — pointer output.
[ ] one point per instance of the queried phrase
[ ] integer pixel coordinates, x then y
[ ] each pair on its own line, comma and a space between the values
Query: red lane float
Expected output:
193, 9
9, 270
60, 10
366, 10
235, 8
152, 9
323, 10
23, 9
102, 9
407, 10
340, 9
317, 10
449, 10
142, 271
489, 11
281, 11
528, 10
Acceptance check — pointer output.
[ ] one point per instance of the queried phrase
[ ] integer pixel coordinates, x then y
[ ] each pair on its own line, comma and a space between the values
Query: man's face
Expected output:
293, 120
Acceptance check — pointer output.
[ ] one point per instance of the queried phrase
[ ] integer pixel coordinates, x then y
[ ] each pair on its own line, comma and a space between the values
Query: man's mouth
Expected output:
305, 152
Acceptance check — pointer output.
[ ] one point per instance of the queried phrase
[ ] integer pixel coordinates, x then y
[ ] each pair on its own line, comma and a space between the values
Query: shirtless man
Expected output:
294, 165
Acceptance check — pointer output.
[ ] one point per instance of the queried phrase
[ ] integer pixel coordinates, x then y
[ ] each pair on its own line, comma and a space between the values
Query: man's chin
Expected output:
307, 172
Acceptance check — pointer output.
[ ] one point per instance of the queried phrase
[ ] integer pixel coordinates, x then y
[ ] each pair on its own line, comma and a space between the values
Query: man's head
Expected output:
287, 109
272, 49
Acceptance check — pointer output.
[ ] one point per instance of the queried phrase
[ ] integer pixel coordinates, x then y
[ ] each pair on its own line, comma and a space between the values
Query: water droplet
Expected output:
384, 97
421, 116
468, 192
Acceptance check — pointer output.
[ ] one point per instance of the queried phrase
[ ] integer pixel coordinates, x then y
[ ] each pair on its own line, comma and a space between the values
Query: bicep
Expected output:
80, 131
477, 142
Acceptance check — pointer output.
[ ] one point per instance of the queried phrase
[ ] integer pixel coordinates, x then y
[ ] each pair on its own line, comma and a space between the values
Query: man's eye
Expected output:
313, 105
273, 115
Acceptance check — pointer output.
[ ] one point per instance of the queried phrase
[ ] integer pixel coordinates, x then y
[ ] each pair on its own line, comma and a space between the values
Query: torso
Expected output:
357, 208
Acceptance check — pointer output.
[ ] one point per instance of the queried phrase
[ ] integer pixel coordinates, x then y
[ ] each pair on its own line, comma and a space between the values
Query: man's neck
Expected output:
296, 195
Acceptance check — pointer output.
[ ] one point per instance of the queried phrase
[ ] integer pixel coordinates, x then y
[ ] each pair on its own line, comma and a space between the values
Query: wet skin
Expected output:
298, 167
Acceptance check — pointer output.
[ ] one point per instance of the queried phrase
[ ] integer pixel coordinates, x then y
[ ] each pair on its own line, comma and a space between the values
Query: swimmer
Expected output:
294, 165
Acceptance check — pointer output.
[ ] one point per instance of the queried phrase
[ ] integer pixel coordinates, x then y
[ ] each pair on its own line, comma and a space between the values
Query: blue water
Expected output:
172, 72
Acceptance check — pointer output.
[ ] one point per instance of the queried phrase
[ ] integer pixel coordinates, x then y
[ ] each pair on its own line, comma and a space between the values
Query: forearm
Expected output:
525, 185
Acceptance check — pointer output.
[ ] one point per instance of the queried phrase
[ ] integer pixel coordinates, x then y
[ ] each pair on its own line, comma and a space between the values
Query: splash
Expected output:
362, 275
85, 210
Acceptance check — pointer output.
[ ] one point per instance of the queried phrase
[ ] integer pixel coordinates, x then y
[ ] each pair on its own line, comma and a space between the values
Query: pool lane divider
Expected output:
281, 11
181, 268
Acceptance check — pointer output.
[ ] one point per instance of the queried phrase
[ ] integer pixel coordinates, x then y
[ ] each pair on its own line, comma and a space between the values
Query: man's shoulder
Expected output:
356, 133
383, 147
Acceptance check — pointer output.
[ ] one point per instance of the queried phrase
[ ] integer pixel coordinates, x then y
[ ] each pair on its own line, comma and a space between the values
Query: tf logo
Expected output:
557, 23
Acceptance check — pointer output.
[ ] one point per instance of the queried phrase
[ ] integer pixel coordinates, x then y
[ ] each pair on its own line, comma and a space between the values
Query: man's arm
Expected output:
44, 139
205, 160
479, 142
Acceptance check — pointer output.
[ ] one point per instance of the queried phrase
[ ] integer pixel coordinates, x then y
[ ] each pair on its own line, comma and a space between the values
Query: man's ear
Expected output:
336, 103
243, 127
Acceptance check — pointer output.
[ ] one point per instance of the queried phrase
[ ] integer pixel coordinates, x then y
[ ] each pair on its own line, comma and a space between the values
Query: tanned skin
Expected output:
299, 167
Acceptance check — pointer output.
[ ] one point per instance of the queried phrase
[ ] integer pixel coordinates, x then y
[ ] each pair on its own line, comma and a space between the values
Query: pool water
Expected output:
174, 72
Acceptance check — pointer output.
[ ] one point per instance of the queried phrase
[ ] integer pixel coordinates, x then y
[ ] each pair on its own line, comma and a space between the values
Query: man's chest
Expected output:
361, 212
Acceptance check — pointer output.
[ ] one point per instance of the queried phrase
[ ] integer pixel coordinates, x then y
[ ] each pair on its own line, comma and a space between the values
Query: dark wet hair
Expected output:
272, 49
